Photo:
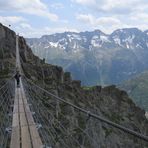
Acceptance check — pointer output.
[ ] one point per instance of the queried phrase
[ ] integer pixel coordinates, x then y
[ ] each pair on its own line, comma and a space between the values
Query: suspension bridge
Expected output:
30, 118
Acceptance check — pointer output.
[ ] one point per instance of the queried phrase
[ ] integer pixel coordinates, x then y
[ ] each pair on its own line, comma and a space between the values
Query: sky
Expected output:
34, 18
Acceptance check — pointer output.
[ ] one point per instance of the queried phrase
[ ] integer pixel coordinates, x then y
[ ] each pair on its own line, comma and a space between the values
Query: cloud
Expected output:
106, 15
11, 19
60, 29
112, 5
90, 19
118, 7
33, 7
27, 30
86, 18
25, 26
106, 24
140, 17
114, 14
57, 5
109, 24
85, 2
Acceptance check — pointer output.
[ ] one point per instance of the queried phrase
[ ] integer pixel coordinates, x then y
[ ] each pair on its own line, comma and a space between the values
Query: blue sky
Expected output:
34, 18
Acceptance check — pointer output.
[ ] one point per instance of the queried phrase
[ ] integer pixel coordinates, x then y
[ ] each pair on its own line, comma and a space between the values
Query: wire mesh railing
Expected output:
6, 101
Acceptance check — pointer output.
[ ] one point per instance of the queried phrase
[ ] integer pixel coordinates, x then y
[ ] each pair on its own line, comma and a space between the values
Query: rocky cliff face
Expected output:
108, 102
7, 52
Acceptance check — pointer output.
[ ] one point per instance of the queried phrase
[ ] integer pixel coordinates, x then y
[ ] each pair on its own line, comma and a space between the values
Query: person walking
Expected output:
17, 77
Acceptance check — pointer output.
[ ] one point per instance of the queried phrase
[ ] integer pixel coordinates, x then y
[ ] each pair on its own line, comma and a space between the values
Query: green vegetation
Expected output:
88, 87
81, 122
108, 131
116, 118
1, 53
4, 73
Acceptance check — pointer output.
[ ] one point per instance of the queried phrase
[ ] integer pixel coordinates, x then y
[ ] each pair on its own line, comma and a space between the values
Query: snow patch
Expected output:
130, 73
75, 51
128, 42
74, 37
95, 37
129, 39
117, 40
127, 46
137, 45
54, 44
62, 41
75, 45
46, 47
104, 38
61, 46
96, 43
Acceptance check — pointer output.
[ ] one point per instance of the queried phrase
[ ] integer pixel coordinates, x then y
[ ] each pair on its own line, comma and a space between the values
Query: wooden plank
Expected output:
16, 100
25, 100
30, 118
15, 109
20, 97
36, 140
15, 122
15, 136
27, 108
25, 137
23, 120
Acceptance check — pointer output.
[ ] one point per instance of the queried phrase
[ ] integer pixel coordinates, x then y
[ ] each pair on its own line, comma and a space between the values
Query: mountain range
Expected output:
95, 57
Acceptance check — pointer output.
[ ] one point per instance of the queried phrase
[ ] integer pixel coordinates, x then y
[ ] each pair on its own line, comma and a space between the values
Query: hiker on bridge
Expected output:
17, 77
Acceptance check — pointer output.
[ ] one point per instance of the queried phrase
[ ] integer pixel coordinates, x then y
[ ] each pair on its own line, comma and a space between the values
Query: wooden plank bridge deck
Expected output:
24, 131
